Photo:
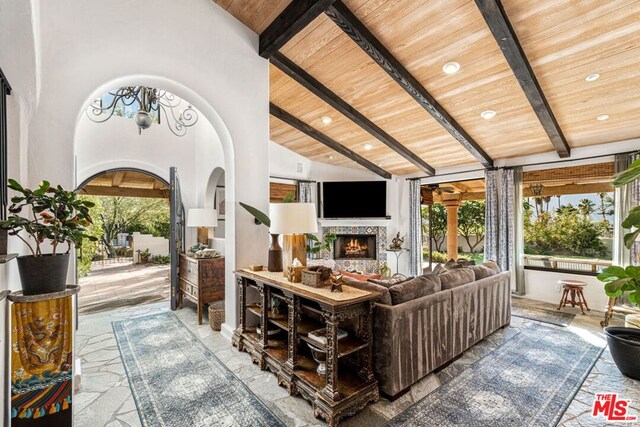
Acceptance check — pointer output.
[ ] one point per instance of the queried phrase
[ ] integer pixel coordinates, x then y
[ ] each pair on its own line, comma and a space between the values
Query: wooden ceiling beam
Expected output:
96, 190
294, 18
351, 25
503, 32
117, 178
298, 124
568, 189
314, 86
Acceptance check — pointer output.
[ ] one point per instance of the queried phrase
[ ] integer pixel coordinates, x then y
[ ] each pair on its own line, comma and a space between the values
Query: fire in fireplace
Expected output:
354, 246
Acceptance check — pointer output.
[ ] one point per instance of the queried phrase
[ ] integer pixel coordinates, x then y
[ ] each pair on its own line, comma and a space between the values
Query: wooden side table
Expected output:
201, 281
573, 288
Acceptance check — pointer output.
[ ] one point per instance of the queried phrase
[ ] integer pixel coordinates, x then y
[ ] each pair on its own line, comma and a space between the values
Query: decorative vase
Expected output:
275, 254
43, 274
624, 344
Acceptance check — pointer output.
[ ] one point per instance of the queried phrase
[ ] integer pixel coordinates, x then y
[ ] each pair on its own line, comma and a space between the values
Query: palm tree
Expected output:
586, 207
606, 205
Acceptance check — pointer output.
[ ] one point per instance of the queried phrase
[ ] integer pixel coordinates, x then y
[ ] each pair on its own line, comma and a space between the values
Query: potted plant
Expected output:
49, 216
624, 342
144, 256
316, 246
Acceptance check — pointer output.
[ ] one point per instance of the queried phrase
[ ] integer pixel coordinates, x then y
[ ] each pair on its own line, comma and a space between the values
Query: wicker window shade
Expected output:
595, 172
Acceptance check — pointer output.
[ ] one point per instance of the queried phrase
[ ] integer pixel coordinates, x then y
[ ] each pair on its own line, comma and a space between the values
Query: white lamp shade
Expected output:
293, 218
202, 218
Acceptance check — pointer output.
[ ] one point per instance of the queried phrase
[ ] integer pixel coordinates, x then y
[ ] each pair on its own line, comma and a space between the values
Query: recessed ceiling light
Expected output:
603, 117
368, 146
488, 114
592, 77
326, 120
451, 67
330, 157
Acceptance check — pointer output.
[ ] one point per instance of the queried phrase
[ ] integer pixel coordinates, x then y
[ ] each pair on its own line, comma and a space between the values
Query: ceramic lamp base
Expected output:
203, 235
295, 246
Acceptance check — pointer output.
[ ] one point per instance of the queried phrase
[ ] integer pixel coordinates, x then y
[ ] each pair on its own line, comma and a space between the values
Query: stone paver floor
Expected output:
110, 286
105, 398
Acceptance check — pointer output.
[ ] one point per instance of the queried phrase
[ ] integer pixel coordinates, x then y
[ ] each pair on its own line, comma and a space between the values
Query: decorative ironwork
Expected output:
153, 105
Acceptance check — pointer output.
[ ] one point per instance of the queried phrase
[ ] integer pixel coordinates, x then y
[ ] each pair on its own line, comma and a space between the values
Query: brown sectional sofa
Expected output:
414, 336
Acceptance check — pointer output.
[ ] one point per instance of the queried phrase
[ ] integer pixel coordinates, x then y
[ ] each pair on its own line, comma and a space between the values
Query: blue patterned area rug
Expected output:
530, 380
177, 381
541, 315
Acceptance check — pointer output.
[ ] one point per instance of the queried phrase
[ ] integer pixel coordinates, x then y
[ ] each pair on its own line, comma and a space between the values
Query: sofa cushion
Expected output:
362, 277
437, 269
457, 277
493, 266
385, 297
417, 287
387, 283
452, 264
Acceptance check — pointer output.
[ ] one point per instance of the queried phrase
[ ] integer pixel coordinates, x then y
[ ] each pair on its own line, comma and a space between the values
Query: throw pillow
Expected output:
482, 271
415, 288
458, 277
396, 279
493, 266
437, 269
452, 264
363, 277
385, 297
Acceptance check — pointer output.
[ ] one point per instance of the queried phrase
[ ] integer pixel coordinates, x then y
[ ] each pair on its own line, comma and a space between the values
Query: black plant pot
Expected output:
43, 274
624, 344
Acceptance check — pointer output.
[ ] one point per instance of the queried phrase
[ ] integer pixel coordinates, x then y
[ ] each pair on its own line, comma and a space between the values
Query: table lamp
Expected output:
203, 219
293, 221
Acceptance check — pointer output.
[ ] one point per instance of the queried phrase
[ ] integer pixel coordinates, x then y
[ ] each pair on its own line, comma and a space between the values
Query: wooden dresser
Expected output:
201, 281
290, 312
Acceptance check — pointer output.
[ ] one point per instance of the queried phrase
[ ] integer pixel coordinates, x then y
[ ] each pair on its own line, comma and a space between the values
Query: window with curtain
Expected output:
568, 218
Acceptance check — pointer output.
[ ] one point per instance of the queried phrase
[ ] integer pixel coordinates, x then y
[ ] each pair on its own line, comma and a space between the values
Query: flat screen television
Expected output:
354, 199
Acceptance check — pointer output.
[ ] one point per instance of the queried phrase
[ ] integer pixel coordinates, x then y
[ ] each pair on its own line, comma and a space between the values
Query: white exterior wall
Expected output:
156, 245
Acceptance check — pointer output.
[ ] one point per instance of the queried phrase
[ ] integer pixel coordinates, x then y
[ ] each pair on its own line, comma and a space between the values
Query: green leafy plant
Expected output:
260, 216
160, 259
619, 280
144, 255
50, 214
290, 197
197, 247
316, 245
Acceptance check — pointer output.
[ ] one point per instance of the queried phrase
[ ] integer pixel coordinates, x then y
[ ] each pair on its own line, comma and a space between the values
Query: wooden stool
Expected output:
573, 287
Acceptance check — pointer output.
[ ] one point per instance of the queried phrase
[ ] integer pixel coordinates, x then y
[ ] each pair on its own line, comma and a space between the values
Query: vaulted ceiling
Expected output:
563, 41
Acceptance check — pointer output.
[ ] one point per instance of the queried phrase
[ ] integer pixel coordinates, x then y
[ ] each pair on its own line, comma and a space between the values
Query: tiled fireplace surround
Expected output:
367, 266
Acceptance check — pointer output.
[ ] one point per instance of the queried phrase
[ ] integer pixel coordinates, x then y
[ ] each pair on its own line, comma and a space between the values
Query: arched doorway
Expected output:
129, 265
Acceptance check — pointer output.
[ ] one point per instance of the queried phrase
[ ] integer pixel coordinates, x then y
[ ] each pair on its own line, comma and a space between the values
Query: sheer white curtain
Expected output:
305, 192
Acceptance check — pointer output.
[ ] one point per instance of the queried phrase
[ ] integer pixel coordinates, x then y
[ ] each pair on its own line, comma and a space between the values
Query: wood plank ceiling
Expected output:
563, 40
126, 184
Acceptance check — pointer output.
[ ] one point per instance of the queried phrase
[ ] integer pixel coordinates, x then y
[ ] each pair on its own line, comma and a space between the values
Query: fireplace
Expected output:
355, 246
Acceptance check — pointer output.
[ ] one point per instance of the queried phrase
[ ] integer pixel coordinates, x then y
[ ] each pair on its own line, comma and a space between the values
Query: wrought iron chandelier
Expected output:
149, 104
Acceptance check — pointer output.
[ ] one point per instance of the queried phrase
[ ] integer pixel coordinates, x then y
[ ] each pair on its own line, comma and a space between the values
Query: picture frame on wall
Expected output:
219, 203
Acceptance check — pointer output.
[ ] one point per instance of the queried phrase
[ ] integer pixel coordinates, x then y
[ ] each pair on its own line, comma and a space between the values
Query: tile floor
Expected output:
105, 398
113, 285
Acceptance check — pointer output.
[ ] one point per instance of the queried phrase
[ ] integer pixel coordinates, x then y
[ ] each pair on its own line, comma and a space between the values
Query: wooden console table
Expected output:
349, 383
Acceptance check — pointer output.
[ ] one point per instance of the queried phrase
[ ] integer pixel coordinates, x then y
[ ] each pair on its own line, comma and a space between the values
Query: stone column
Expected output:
452, 227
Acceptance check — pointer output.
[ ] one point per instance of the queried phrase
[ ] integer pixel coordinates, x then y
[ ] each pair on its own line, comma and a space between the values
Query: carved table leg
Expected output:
367, 335
331, 388
236, 340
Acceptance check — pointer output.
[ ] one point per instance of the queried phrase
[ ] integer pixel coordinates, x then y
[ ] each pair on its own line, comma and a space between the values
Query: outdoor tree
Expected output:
130, 214
90, 248
586, 207
471, 222
438, 226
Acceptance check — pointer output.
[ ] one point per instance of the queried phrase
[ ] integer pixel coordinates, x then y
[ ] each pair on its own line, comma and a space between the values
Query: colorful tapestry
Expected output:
41, 358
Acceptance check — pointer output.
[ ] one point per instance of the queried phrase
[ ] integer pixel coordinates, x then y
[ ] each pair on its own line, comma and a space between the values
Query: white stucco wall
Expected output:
156, 245
203, 56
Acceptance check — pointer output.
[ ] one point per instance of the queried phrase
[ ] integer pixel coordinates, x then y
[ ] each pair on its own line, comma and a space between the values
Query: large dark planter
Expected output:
43, 274
624, 344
